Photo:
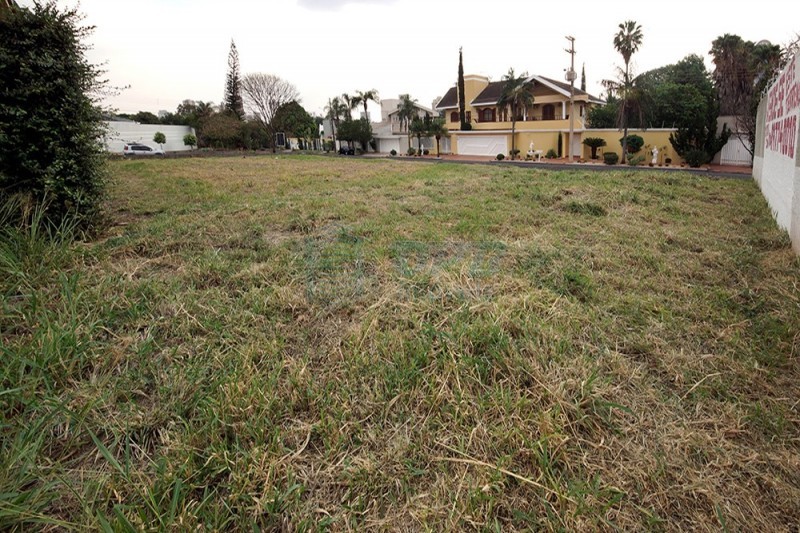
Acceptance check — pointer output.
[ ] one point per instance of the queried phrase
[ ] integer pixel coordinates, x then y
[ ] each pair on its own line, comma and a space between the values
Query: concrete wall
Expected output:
776, 165
120, 132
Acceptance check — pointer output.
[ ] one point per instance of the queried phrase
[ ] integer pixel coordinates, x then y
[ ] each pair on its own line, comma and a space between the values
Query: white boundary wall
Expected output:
121, 132
776, 165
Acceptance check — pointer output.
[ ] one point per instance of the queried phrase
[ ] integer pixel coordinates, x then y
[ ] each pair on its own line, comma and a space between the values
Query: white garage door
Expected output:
489, 145
387, 145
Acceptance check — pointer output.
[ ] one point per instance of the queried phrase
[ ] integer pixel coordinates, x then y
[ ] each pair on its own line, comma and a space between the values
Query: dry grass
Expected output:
309, 343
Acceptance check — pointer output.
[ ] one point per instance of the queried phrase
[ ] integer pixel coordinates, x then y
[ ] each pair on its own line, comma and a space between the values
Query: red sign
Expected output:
783, 103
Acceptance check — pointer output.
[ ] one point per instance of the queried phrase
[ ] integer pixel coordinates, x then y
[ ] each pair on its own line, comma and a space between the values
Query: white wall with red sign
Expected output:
778, 172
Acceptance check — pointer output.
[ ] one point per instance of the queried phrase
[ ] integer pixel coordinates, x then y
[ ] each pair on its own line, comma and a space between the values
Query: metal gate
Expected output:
735, 153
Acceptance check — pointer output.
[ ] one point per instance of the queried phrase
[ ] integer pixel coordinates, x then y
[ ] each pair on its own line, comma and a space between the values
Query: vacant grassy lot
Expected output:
310, 343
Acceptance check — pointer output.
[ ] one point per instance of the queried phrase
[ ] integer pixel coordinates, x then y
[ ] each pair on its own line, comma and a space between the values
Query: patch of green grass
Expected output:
324, 343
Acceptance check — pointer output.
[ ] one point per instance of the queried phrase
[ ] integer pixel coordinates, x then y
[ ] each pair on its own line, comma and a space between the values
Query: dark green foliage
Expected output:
411, 151
222, 131
353, 131
694, 157
159, 138
594, 143
462, 115
393, 152
634, 142
190, 140
604, 116
252, 136
610, 158
233, 103
500, 157
551, 154
560, 144
293, 120
50, 128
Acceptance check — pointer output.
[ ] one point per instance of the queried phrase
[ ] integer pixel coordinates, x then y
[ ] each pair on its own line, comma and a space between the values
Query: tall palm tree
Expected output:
627, 42
437, 129
517, 95
350, 102
407, 110
362, 98
334, 112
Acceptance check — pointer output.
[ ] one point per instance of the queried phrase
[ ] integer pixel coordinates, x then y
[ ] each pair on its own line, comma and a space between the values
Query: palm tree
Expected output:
350, 102
334, 112
362, 98
627, 42
516, 95
437, 129
407, 110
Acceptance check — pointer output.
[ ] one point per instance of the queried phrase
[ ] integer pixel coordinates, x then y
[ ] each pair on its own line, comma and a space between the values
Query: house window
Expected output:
454, 116
487, 115
548, 112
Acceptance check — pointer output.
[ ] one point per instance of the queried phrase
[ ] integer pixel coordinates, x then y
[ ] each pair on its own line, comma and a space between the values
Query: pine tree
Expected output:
583, 77
462, 105
233, 102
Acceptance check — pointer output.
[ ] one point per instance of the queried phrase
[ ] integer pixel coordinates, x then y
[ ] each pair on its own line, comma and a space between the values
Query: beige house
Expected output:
538, 125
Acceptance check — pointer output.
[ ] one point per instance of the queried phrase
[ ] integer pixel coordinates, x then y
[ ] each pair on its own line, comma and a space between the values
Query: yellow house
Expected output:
538, 126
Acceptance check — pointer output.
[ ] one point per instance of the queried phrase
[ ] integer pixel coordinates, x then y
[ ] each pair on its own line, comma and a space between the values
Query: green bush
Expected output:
425, 151
411, 151
500, 157
635, 160
695, 158
551, 154
50, 126
329, 146
393, 152
635, 143
610, 158
189, 140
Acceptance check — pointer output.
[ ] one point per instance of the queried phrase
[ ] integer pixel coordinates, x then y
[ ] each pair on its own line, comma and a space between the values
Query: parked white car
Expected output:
140, 149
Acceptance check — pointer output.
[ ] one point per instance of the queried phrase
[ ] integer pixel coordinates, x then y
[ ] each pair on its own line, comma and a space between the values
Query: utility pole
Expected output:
571, 75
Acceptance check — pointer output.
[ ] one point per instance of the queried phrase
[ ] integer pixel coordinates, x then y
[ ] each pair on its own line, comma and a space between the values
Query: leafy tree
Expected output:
159, 138
627, 42
742, 73
295, 121
363, 98
146, 117
516, 95
265, 94
233, 103
50, 126
605, 116
190, 140
222, 131
252, 136
353, 131
594, 143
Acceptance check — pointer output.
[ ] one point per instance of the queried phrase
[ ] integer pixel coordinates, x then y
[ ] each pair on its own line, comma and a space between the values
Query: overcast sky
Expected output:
170, 50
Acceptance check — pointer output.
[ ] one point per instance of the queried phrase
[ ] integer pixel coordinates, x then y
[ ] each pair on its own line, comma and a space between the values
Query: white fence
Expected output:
735, 152
121, 132
776, 166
